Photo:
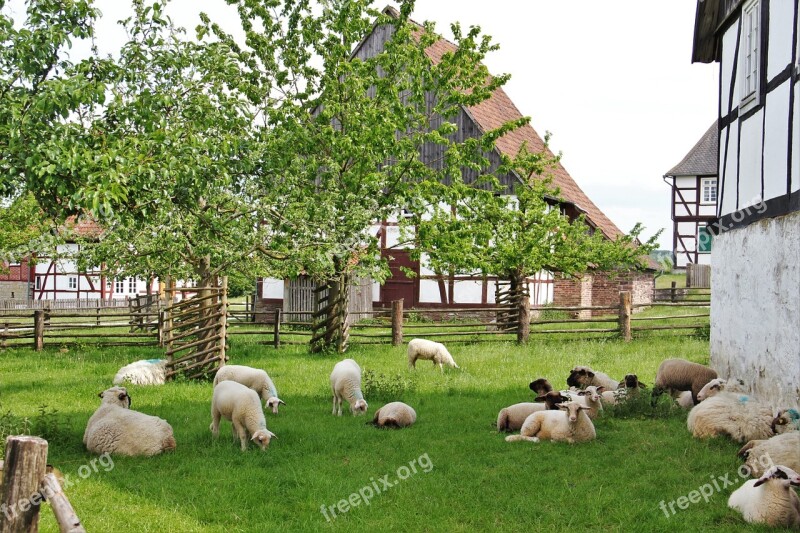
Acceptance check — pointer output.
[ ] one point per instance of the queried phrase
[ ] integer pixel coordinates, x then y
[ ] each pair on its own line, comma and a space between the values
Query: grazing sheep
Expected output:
540, 386
144, 372
253, 378
583, 376
783, 449
394, 415
242, 407
423, 349
115, 428
769, 499
570, 424
736, 415
786, 420
681, 375
346, 384
512, 417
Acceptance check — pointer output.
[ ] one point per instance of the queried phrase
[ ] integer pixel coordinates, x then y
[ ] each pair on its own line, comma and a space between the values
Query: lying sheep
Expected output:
628, 387
769, 499
115, 428
717, 385
683, 398
583, 376
423, 349
736, 415
591, 398
253, 378
786, 420
781, 449
144, 372
570, 424
512, 417
394, 415
681, 375
540, 386
346, 384
242, 407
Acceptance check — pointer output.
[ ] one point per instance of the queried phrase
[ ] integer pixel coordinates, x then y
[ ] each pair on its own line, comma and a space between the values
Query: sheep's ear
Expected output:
563, 406
642, 385
601, 389
281, 402
590, 374
122, 396
540, 398
582, 393
760, 482
100, 394
584, 407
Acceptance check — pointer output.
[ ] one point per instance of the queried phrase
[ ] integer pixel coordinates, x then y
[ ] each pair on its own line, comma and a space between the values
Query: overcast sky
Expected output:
612, 81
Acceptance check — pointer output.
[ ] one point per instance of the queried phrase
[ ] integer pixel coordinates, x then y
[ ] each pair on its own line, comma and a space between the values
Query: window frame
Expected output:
703, 182
131, 285
72, 282
119, 286
751, 11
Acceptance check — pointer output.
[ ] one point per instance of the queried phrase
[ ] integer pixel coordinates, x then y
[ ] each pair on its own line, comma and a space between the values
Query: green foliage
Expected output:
24, 229
387, 387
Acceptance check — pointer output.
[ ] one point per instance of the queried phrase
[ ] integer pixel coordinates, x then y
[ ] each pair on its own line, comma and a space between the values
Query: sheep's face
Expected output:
273, 404
712, 388
632, 382
786, 420
580, 376
116, 396
572, 409
262, 438
540, 386
785, 476
359, 408
592, 392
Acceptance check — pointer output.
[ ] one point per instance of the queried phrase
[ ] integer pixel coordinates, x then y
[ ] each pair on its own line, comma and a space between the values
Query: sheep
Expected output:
782, 449
628, 387
769, 499
512, 417
242, 406
419, 349
590, 397
786, 420
681, 375
683, 398
253, 378
115, 428
394, 415
735, 415
540, 386
583, 376
717, 385
346, 384
144, 372
571, 424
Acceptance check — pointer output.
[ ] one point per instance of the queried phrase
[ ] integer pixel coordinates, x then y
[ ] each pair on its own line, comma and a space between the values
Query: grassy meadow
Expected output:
451, 471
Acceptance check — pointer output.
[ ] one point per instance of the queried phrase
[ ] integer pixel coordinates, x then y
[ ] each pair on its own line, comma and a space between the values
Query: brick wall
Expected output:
601, 289
19, 272
571, 292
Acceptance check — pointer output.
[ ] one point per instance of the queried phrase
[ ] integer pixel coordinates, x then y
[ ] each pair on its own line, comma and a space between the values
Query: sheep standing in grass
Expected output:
681, 375
423, 349
583, 376
144, 372
736, 415
346, 385
395, 415
769, 499
242, 407
570, 424
512, 417
783, 449
115, 428
253, 378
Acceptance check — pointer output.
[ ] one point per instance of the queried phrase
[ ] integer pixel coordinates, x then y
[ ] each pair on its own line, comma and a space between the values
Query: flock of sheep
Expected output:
717, 409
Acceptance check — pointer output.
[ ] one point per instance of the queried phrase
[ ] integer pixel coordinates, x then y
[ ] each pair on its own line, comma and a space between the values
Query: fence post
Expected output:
672, 292
223, 321
3, 342
65, 515
97, 303
162, 318
24, 468
38, 329
625, 315
524, 319
397, 322
276, 333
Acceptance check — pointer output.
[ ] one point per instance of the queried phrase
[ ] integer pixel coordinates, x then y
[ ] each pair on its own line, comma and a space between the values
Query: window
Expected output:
72, 282
708, 191
750, 46
38, 283
119, 286
131, 285
704, 238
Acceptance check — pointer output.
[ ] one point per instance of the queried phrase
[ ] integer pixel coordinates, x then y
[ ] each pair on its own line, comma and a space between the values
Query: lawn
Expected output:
449, 472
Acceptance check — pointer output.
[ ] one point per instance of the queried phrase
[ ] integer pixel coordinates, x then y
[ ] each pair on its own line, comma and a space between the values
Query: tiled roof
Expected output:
702, 159
83, 226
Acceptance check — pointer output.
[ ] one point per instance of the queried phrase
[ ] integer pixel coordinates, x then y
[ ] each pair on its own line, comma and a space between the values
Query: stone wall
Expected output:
601, 289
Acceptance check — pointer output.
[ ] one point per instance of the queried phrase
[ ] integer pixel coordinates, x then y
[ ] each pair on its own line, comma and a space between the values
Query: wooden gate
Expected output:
330, 322
508, 299
144, 311
194, 332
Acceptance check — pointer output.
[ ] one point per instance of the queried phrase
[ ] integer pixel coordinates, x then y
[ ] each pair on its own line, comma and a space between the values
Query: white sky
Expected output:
611, 80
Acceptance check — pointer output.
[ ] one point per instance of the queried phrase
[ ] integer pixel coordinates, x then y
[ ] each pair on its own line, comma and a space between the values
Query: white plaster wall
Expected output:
776, 141
429, 291
796, 140
687, 228
467, 292
726, 68
704, 259
755, 308
708, 210
781, 27
729, 189
750, 160
272, 288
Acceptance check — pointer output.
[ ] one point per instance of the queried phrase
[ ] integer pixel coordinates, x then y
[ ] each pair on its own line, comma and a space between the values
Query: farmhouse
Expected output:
426, 288
755, 302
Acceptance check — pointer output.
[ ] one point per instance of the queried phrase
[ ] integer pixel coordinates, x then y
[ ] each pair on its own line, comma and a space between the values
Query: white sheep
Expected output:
736, 415
583, 376
769, 499
346, 384
253, 378
591, 397
681, 375
570, 424
717, 385
786, 420
783, 449
115, 428
395, 415
242, 407
144, 372
512, 417
683, 398
424, 349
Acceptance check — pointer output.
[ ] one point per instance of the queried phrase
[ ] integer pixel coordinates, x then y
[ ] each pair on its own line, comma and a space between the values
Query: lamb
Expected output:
115, 428
346, 384
591, 398
735, 415
424, 349
583, 376
769, 499
781, 449
512, 417
786, 420
540, 386
144, 372
681, 375
395, 415
242, 406
253, 378
571, 424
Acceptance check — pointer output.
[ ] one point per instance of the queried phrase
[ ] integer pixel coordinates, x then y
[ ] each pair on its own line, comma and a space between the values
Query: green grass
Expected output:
477, 481
665, 281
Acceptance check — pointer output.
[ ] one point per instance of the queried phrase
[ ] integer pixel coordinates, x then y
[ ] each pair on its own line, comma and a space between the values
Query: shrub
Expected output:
386, 387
